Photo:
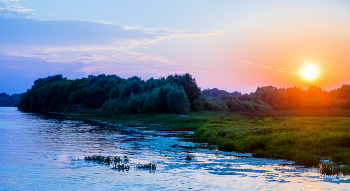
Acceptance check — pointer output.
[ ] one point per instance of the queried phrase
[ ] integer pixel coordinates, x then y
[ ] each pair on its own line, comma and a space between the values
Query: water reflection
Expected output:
46, 153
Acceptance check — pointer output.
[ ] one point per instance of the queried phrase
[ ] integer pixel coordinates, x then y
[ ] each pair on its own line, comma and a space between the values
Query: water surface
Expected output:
46, 153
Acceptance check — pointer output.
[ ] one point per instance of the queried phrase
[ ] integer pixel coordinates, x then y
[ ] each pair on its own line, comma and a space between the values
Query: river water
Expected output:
47, 153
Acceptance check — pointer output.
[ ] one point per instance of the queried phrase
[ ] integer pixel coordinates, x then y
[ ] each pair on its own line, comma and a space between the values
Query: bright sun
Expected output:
309, 72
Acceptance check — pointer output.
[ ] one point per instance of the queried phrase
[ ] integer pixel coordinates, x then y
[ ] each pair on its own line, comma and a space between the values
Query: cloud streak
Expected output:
270, 68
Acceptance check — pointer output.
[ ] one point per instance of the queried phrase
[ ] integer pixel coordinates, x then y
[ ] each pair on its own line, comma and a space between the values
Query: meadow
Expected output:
311, 138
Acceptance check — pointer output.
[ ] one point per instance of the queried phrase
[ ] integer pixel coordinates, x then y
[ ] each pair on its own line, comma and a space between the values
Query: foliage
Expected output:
111, 94
312, 98
9, 100
219, 100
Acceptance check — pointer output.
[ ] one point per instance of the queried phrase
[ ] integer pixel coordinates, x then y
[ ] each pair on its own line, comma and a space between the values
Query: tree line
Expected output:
9, 100
111, 94
271, 97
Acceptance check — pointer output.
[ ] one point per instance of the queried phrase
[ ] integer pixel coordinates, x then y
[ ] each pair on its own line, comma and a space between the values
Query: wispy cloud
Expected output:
12, 9
280, 70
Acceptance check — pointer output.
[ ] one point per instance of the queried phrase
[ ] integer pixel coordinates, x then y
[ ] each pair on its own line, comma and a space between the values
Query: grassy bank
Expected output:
308, 137
307, 140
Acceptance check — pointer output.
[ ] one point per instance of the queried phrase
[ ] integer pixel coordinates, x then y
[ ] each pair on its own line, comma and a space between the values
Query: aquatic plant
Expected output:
126, 159
117, 159
189, 157
99, 159
121, 167
106, 160
329, 168
150, 166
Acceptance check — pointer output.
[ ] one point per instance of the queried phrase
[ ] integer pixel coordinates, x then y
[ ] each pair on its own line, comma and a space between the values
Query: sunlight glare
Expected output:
309, 72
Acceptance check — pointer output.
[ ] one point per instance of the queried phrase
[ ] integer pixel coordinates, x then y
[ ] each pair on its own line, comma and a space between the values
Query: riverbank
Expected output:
310, 138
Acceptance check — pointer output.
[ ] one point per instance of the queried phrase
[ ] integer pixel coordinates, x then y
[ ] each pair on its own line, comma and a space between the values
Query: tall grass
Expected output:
305, 140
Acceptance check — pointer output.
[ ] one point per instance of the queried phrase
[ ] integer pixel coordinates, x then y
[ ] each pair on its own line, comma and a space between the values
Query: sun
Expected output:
309, 72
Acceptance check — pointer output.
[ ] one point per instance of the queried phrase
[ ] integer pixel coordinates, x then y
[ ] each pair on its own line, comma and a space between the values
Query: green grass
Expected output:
305, 140
306, 137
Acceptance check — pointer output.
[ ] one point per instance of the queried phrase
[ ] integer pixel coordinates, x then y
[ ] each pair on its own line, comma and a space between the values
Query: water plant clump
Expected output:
150, 166
99, 159
117, 159
106, 160
328, 168
189, 157
126, 159
121, 167
116, 162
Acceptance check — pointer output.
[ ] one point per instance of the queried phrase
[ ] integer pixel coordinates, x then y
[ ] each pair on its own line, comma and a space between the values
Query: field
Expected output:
313, 138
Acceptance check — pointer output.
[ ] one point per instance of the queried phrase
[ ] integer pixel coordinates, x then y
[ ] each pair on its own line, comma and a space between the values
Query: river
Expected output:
47, 153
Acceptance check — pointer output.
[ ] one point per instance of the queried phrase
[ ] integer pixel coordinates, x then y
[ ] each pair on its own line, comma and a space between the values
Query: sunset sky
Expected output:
230, 45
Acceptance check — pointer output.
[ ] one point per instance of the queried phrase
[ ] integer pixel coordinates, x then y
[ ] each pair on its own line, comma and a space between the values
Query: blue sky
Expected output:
213, 40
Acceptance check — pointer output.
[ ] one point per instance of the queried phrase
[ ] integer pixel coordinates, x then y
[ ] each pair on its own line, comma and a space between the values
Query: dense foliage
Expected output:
312, 98
111, 94
277, 98
220, 100
9, 100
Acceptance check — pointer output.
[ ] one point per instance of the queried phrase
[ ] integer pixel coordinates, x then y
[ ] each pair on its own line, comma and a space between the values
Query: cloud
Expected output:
12, 9
271, 68
85, 41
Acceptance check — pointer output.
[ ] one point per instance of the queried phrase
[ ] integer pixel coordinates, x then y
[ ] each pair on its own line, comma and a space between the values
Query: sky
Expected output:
226, 44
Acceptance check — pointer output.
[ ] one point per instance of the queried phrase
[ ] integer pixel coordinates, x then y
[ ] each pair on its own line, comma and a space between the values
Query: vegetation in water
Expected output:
107, 161
121, 167
103, 159
116, 161
126, 159
334, 169
189, 157
150, 166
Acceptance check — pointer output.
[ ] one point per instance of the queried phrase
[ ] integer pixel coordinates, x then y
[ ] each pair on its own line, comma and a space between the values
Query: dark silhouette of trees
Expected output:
110, 94
113, 95
9, 100
220, 100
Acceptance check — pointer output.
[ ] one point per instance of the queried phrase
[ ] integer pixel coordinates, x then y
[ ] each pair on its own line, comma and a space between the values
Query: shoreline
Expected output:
311, 139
